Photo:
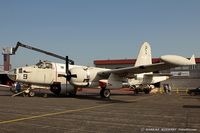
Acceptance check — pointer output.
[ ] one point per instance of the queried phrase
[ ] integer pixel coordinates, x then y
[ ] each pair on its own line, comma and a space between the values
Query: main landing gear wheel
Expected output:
55, 89
72, 93
105, 93
136, 91
146, 91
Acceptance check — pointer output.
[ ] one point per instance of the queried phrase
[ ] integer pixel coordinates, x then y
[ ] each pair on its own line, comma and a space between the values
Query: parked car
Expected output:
194, 92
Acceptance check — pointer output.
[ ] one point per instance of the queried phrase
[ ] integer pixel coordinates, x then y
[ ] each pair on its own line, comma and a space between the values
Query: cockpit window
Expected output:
39, 64
44, 65
15, 71
49, 65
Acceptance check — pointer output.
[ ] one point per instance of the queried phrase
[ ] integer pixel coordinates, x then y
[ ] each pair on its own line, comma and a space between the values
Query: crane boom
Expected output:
19, 44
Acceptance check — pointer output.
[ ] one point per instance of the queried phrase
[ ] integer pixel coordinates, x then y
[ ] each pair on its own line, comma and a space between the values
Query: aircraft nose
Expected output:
12, 74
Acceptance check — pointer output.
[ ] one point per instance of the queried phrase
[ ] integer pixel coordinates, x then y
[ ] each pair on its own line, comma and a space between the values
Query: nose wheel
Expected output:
105, 93
31, 94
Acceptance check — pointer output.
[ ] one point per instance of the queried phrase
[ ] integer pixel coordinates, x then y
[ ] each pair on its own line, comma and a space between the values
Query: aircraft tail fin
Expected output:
192, 59
144, 56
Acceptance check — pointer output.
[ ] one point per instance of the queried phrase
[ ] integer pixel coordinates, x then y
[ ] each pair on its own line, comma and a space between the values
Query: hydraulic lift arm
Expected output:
41, 51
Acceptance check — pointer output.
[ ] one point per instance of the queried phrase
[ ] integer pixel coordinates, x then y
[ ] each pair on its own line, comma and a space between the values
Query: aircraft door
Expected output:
48, 76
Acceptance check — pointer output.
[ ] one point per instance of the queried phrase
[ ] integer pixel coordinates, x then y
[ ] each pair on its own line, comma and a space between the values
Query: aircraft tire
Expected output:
192, 94
136, 91
55, 89
72, 93
146, 91
105, 93
31, 94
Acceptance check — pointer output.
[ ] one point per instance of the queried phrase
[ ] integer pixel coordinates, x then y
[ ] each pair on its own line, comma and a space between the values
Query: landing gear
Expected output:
105, 93
55, 88
31, 94
136, 91
27, 92
147, 91
72, 93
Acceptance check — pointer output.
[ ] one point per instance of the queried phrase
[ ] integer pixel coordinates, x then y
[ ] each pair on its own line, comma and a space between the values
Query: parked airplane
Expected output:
50, 75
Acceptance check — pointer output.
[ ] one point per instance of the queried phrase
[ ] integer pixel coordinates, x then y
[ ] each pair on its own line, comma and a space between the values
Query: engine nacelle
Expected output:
85, 76
82, 77
57, 88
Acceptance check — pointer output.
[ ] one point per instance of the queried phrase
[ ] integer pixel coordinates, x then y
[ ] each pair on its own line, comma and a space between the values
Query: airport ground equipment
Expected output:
19, 44
6, 52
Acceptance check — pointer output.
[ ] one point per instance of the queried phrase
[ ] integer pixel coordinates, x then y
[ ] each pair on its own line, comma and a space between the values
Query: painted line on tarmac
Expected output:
52, 114
64, 112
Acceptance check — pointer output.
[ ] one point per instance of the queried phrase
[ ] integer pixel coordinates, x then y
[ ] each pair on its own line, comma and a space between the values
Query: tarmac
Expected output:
88, 113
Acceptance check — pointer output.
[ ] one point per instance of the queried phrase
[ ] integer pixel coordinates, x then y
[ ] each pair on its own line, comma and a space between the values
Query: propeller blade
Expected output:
68, 74
62, 75
67, 64
74, 76
66, 70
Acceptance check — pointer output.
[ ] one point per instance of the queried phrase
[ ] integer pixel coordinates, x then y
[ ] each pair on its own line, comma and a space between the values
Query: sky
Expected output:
88, 30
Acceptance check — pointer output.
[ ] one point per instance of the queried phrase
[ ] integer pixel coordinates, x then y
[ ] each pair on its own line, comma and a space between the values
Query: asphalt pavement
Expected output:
89, 113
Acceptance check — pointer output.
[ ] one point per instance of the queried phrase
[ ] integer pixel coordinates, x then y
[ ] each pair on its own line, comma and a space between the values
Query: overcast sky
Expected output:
86, 30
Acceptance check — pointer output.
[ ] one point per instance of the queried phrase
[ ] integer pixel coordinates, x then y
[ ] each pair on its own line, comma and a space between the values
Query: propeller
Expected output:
66, 69
69, 75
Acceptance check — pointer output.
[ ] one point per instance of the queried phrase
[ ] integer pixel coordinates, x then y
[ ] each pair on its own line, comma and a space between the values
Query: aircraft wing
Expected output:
169, 61
130, 71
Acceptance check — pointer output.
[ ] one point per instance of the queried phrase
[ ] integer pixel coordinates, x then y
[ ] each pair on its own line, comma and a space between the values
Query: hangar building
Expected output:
185, 77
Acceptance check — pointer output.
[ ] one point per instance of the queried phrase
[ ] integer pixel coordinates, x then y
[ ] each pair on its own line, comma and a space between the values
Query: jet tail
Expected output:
144, 56
192, 59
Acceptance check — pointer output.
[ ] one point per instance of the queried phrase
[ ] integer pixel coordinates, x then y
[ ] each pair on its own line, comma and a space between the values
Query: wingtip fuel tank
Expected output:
177, 60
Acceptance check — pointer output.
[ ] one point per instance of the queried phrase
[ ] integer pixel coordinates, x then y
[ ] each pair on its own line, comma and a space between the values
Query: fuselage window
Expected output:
20, 70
